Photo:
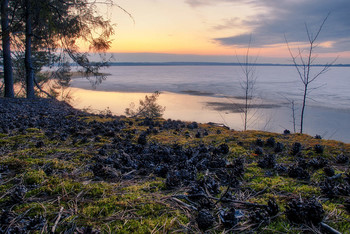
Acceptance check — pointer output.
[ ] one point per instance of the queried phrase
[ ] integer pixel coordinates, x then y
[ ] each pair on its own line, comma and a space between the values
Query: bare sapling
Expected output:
304, 62
248, 81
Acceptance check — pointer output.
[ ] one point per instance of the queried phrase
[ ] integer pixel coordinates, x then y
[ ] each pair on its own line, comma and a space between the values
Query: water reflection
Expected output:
327, 122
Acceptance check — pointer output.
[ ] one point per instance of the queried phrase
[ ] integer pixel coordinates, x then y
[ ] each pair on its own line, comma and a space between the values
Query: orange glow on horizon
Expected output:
175, 27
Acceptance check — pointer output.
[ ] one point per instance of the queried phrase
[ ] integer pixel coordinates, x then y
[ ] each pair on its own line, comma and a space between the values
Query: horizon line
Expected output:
214, 64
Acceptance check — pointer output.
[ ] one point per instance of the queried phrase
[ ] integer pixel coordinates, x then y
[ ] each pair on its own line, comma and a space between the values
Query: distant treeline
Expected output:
207, 64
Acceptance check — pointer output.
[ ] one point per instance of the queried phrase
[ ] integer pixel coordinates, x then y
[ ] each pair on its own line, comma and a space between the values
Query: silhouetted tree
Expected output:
6, 49
59, 25
56, 28
28, 50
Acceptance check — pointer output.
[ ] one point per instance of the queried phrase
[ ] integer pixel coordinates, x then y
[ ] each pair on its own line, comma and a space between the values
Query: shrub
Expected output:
148, 108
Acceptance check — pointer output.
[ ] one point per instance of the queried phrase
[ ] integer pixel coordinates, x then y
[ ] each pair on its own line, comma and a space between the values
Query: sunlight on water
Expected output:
178, 106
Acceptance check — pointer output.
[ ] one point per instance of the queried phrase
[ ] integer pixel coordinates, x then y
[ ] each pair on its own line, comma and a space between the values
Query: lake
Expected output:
203, 93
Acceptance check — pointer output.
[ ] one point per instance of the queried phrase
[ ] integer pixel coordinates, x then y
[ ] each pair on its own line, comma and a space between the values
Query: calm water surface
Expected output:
327, 113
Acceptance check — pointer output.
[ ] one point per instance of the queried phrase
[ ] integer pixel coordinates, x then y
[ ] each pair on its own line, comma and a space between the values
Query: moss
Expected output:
282, 184
279, 226
31, 209
34, 177
334, 212
13, 163
57, 175
31, 130
97, 119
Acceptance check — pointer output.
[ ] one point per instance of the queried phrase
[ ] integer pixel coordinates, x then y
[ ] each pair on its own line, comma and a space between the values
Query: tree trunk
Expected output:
28, 52
303, 108
6, 50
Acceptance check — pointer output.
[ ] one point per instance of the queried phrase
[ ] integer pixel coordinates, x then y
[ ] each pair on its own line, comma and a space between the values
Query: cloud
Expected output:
288, 17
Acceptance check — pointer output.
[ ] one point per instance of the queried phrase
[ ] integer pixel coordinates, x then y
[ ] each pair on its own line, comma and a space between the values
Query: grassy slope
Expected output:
63, 191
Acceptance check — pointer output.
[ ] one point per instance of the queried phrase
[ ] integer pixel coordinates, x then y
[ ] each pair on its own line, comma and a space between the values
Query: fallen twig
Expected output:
58, 219
329, 229
184, 204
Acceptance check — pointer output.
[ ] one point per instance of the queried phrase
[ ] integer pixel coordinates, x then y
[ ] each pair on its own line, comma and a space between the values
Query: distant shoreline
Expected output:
211, 64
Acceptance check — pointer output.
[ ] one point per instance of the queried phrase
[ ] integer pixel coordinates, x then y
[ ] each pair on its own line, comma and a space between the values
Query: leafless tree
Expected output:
292, 107
304, 62
248, 81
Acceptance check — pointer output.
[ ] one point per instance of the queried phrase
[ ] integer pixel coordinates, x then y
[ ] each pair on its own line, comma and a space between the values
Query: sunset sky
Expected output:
217, 30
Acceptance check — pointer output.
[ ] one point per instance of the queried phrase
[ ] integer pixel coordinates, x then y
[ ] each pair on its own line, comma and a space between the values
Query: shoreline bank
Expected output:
329, 123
